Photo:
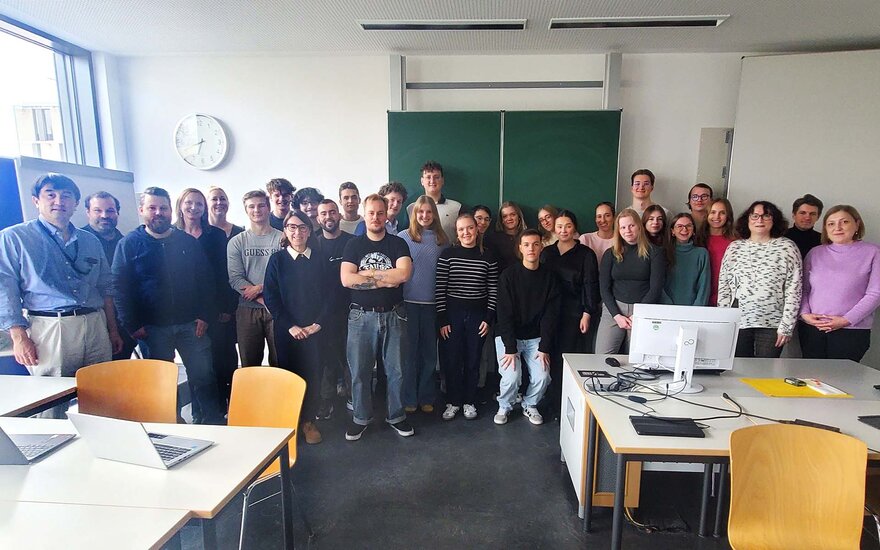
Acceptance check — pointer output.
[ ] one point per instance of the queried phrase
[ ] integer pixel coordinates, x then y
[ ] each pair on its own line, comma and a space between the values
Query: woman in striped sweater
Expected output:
426, 240
466, 293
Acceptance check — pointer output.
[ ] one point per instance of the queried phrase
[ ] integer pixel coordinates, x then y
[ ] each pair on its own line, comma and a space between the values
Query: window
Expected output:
47, 101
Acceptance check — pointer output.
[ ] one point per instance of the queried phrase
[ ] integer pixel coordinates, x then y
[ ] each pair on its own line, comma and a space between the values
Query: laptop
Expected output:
129, 442
27, 448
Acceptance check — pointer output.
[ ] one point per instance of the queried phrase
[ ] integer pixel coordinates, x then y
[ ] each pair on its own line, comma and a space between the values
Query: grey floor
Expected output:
456, 484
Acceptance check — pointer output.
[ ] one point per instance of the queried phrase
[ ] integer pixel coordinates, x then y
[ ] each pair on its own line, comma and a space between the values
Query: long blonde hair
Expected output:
520, 226
643, 246
415, 230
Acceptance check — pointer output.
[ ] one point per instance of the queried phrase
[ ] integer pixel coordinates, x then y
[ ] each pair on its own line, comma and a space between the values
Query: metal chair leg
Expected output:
244, 509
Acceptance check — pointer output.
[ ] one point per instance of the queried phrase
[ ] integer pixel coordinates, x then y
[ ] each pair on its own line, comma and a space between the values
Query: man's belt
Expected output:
69, 313
377, 309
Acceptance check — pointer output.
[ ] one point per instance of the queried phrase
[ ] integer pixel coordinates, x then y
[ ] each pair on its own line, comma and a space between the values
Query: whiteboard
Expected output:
808, 123
89, 180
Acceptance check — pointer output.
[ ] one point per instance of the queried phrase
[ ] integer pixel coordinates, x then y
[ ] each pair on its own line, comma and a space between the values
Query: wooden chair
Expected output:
142, 390
795, 487
267, 397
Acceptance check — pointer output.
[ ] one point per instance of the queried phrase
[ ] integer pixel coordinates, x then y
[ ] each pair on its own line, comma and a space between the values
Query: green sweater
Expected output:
687, 283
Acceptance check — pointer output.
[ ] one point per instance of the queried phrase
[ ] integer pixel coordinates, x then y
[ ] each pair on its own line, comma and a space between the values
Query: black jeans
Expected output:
460, 358
842, 343
757, 342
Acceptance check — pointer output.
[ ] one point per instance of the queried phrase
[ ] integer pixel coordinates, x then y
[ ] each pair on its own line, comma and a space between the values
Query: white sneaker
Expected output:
470, 412
501, 416
450, 412
533, 415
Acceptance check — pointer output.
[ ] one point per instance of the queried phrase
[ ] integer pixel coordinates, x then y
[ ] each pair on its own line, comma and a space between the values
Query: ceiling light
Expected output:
446, 25
636, 22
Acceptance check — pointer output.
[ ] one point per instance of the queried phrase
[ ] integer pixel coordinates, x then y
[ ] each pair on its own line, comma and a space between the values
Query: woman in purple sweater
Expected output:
841, 289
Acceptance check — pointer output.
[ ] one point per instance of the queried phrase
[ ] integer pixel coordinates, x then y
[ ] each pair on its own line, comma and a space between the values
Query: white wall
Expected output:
505, 68
317, 121
667, 99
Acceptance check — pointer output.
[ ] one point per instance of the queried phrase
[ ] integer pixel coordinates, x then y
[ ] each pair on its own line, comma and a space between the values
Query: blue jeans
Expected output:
539, 379
372, 334
161, 341
421, 361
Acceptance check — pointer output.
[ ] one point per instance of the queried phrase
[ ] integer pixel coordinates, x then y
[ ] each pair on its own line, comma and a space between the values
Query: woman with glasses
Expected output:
295, 276
426, 240
841, 289
761, 275
687, 282
547, 224
632, 271
698, 201
715, 236
466, 295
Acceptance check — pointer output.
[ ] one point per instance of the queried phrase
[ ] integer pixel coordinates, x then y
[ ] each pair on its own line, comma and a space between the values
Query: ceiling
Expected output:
152, 27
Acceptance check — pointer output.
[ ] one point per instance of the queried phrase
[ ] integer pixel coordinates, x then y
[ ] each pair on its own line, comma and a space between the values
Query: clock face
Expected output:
200, 141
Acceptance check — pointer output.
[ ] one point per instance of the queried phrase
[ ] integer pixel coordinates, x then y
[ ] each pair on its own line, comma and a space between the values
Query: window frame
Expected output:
75, 77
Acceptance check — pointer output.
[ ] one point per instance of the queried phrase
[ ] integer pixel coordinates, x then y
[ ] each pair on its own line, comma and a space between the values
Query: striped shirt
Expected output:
466, 278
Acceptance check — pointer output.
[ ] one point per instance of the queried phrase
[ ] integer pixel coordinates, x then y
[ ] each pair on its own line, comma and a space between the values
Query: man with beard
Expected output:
331, 243
163, 291
350, 198
102, 210
375, 266
60, 275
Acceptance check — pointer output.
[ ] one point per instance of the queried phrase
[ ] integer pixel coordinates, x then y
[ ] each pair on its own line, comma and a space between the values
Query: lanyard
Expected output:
71, 261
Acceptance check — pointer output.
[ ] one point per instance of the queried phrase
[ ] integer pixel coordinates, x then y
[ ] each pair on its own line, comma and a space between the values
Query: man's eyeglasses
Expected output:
293, 228
703, 197
755, 217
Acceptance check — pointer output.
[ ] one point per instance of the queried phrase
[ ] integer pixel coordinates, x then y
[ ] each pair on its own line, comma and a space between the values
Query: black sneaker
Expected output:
325, 410
354, 431
402, 428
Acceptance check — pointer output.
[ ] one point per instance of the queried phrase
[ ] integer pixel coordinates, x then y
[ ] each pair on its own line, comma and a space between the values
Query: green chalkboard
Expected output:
564, 158
466, 144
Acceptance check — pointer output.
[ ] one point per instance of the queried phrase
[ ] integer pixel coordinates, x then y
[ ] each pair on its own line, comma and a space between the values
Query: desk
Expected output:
202, 485
27, 395
44, 526
613, 420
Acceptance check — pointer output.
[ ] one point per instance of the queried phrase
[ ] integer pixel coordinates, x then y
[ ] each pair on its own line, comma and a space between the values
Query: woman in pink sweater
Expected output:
841, 289
716, 235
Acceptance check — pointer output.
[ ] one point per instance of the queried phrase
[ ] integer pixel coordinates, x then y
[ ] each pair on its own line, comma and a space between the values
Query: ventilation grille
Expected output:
442, 25
636, 22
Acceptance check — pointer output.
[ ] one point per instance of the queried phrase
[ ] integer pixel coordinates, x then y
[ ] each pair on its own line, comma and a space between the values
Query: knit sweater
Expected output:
247, 255
687, 283
633, 280
717, 246
466, 279
420, 288
843, 280
765, 279
528, 307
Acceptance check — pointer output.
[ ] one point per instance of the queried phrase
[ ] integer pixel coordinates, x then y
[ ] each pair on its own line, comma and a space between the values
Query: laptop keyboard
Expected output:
168, 452
32, 451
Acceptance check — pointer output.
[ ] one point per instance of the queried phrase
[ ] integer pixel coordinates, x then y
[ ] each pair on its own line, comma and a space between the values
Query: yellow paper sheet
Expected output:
777, 387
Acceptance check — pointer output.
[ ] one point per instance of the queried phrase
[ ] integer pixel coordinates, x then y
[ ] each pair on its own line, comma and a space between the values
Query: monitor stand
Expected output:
681, 380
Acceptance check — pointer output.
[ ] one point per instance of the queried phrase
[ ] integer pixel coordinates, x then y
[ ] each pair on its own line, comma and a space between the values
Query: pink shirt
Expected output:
717, 245
596, 243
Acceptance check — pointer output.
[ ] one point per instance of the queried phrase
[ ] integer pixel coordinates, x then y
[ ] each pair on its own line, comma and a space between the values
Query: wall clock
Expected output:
200, 140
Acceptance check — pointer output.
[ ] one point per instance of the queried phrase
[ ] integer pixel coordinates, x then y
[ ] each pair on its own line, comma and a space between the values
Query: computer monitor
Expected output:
683, 339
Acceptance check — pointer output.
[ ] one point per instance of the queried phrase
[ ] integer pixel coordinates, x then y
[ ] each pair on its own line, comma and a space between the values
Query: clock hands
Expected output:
196, 146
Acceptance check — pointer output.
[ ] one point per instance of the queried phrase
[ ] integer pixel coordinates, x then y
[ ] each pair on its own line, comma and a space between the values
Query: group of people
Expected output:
338, 294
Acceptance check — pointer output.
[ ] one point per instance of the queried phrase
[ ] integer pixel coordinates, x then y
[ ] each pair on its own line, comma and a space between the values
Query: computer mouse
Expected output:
612, 362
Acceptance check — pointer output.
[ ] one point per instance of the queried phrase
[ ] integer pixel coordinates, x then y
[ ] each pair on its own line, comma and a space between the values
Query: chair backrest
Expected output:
142, 390
268, 397
795, 487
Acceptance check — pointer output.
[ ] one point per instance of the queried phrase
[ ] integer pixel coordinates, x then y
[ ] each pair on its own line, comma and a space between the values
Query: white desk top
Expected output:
202, 484
856, 379
853, 378
44, 526
21, 393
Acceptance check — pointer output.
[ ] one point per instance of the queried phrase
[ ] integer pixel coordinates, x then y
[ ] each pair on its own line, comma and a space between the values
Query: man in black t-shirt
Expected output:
331, 243
375, 266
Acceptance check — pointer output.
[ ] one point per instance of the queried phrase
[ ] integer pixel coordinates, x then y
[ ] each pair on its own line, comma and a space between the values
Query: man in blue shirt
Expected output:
59, 274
